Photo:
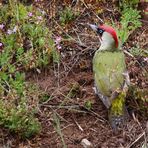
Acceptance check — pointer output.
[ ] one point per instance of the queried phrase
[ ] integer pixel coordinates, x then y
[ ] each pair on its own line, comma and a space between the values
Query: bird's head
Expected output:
107, 36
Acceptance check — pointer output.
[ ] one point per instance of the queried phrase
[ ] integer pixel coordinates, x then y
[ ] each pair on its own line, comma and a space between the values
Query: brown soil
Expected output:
75, 71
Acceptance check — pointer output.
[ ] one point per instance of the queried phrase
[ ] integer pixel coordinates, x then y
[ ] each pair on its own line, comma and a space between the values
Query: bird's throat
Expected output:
107, 42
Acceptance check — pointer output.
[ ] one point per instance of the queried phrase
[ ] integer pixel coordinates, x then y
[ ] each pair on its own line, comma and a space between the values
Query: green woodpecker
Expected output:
111, 77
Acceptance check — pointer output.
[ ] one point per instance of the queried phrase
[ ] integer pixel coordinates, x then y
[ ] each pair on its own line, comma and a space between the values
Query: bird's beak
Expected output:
93, 27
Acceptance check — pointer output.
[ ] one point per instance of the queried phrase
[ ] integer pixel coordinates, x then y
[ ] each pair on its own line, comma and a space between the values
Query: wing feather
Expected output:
108, 70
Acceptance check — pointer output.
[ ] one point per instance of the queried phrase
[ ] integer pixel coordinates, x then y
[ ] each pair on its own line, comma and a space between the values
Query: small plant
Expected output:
19, 118
128, 3
26, 38
19, 104
25, 43
45, 97
136, 51
67, 15
141, 97
88, 104
74, 90
129, 19
129, 22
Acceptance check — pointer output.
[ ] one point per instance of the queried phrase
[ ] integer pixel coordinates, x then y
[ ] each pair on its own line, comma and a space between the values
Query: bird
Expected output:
110, 75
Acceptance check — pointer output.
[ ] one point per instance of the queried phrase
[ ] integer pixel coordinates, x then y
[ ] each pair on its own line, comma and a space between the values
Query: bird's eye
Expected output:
100, 31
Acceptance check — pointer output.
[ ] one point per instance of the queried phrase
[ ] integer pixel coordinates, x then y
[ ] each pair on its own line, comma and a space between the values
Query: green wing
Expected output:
108, 70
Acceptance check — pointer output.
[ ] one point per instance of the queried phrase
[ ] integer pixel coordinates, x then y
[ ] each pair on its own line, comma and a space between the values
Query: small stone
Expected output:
121, 140
86, 144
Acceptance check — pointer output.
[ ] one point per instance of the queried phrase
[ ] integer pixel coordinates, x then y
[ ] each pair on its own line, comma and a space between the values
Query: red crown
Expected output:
110, 30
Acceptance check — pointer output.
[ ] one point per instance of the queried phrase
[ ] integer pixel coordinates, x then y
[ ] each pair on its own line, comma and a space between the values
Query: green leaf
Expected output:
41, 42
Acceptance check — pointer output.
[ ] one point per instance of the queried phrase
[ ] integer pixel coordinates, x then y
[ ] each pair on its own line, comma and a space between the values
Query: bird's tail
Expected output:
118, 113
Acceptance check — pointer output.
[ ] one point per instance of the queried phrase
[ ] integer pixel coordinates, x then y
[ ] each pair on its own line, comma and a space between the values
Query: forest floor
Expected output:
63, 116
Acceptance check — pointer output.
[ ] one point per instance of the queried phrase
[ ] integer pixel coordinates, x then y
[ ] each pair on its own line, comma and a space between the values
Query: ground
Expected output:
71, 84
